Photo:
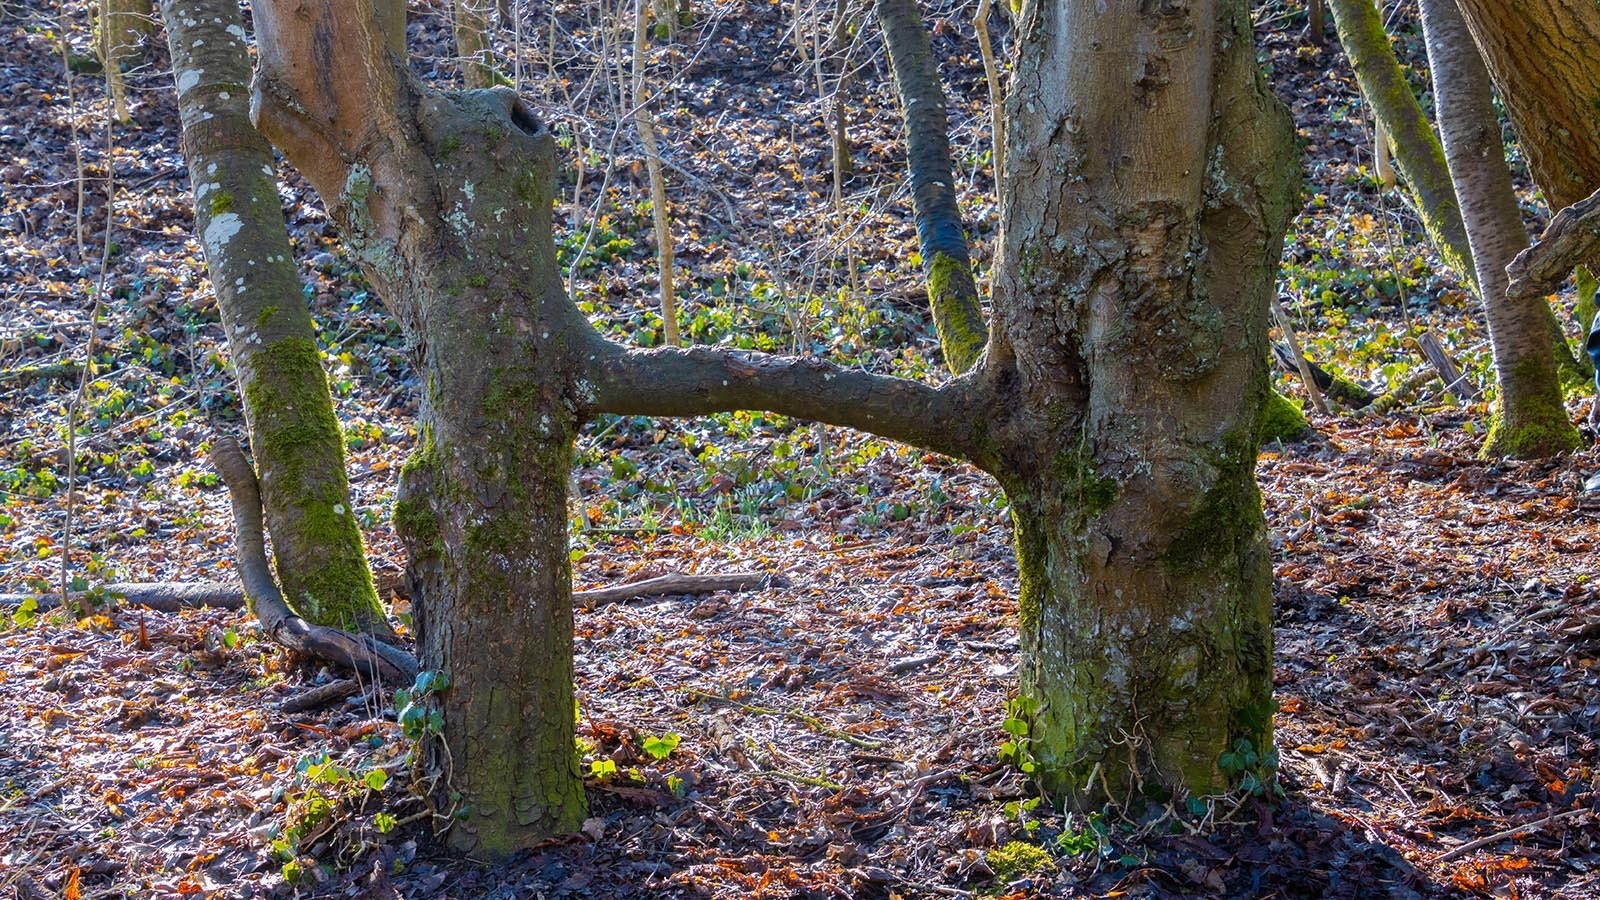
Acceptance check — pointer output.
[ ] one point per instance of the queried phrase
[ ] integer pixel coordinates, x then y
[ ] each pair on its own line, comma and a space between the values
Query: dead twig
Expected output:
1518, 831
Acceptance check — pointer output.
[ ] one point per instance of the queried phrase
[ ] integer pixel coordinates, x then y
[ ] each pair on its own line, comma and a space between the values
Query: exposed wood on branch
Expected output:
673, 583
53, 371
1455, 381
1571, 239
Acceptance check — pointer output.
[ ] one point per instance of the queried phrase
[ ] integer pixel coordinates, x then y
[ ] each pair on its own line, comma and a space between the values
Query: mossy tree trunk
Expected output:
1416, 148
952, 291
470, 19
1531, 420
1149, 181
294, 434
1118, 401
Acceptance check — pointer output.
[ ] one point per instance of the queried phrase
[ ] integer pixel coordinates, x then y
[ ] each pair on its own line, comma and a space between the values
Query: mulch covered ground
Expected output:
838, 733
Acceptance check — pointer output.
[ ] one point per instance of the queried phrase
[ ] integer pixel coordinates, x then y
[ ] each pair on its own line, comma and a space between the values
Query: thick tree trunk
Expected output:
1416, 148
952, 292
1149, 184
1531, 420
295, 436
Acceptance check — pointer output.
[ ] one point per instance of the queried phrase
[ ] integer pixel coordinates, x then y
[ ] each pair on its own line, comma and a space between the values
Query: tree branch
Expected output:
699, 380
1571, 239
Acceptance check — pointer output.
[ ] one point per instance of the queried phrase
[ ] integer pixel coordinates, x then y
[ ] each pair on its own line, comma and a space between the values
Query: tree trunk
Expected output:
294, 434
1149, 186
123, 28
1416, 148
952, 292
1531, 420
471, 19
1540, 55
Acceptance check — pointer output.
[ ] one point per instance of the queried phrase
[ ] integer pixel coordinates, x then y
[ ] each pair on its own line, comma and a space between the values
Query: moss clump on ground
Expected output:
1281, 420
1017, 859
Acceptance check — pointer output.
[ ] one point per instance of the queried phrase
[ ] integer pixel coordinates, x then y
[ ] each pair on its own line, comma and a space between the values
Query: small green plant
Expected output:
660, 748
1016, 749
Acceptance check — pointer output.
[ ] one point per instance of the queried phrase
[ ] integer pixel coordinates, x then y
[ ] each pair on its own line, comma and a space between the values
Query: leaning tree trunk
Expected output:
298, 446
1541, 56
1416, 148
1150, 179
1531, 420
952, 291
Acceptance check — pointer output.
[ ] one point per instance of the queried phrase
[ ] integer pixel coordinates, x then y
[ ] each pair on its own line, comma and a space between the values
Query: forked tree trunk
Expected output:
1149, 183
952, 291
1531, 420
1147, 201
1416, 148
294, 434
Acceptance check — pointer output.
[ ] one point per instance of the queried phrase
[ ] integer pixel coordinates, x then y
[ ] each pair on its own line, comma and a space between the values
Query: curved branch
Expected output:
699, 380
1571, 239
366, 655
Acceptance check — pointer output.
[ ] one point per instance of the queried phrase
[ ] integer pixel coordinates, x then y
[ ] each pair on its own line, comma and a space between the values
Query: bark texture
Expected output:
1150, 177
294, 434
1149, 184
1416, 148
1531, 419
122, 29
445, 200
1541, 54
952, 292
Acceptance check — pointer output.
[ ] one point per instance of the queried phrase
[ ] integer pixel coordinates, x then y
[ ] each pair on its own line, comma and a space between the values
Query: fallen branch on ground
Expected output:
171, 596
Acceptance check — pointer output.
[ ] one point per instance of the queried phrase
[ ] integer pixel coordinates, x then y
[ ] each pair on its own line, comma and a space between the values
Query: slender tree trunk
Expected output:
294, 434
1149, 185
1540, 55
952, 291
660, 215
1417, 151
471, 19
1531, 420
123, 28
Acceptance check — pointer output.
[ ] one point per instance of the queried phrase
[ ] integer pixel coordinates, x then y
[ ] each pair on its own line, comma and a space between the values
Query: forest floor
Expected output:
837, 733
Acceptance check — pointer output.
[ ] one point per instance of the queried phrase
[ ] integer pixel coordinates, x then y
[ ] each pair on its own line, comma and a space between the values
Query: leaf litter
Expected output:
837, 735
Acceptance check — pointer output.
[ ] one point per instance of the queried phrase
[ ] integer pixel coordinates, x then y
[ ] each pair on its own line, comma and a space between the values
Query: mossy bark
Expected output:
294, 434
1149, 187
1531, 419
952, 290
1418, 152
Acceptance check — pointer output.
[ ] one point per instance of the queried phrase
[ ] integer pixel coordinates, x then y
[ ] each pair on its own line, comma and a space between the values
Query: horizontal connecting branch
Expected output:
700, 380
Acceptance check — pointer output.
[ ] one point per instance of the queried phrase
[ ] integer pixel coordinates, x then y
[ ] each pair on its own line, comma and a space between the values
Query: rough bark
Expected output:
294, 434
1150, 176
1531, 419
1541, 56
1417, 151
952, 291
1148, 194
